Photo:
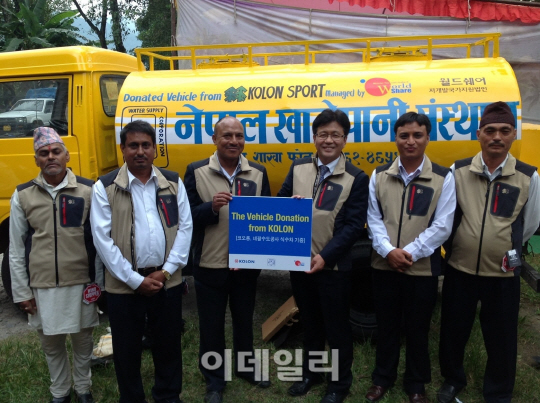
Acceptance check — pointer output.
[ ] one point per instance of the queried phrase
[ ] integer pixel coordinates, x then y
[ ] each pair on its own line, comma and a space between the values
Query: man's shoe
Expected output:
447, 393
85, 398
375, 393
259, 384
300, 388
334, 397
418, 398
213, 397
65, 399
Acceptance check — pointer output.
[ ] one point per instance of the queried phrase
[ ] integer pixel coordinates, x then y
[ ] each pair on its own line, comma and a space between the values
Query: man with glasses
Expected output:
340, 196
498, 208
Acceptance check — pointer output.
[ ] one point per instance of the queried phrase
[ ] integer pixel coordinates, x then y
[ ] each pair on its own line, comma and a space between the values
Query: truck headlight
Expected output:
21, 120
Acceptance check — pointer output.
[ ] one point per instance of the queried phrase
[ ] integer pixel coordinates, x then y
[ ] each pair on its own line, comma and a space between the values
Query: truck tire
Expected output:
6, 275
362, 310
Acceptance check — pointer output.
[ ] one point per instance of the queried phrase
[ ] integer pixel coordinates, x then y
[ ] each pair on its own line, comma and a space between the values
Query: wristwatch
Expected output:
166, 274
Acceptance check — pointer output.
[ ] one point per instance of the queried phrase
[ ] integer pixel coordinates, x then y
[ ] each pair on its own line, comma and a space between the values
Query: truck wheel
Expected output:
6, 275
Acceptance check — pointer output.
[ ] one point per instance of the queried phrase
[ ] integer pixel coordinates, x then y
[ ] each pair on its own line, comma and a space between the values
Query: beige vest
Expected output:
489, 216
409, 211
212, 248
123, 223
328, 199
59, 240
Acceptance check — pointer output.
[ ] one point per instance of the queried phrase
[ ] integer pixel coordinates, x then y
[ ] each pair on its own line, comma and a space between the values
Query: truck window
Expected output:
27, 104
110, 88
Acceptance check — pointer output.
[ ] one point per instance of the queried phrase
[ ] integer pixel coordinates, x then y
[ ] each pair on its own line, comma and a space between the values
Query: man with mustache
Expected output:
142, 231
50, 224
498, 208
411, 208
211, 185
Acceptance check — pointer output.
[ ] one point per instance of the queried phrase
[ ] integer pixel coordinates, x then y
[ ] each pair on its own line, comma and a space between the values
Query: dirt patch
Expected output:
12, 321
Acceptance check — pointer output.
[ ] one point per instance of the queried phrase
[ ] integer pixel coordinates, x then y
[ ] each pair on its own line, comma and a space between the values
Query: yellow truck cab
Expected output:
73, 89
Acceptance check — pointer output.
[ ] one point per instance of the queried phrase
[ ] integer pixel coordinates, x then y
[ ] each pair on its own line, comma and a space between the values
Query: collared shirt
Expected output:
230, 177
60, 310
149, 235
531, 211
408, 177
331, 166
432, 237
497, 170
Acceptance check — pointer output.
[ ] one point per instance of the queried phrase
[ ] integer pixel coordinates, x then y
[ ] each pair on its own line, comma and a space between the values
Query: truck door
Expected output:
104, 124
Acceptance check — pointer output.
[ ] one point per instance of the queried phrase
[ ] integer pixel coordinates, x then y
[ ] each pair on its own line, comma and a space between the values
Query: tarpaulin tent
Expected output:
234, 21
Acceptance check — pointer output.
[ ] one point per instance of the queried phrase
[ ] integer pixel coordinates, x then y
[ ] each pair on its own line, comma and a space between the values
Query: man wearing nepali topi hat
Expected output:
51, 258
498, 209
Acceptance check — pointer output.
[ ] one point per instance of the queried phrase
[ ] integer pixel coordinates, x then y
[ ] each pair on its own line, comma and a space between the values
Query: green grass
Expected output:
24, 374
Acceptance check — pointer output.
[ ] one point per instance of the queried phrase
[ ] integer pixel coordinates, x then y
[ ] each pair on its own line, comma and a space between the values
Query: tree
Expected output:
155, 27
96, 14
32, 27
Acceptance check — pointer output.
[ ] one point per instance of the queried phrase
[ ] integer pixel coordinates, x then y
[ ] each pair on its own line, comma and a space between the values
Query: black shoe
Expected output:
300, 388
85, 398
65, 399
334, 397
259, 384
447, 393
213, 397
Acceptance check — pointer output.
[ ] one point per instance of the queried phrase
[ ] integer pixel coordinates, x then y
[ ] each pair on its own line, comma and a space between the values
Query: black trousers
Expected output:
127, 316
499, 299
323, 299
413, 298
214, 288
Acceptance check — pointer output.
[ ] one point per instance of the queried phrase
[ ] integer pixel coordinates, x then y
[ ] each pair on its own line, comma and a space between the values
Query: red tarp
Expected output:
481, 10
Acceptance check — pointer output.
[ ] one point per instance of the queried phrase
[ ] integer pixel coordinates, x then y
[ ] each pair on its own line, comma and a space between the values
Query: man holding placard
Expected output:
340, 198
211, 184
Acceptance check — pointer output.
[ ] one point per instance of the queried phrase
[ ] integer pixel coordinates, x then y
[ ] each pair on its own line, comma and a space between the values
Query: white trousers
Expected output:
57, 358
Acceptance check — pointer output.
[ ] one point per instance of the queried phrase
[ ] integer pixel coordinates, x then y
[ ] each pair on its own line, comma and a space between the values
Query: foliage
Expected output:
32, 28
24, 376
154, 28
96, 14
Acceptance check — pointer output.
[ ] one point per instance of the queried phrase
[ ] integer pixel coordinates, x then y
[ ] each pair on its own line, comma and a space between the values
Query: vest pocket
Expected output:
503, 199
169, 209
245, 187
71, 211
328, 196
419, 199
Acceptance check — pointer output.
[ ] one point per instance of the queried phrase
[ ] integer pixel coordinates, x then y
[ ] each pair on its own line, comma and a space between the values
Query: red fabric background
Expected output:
456, 8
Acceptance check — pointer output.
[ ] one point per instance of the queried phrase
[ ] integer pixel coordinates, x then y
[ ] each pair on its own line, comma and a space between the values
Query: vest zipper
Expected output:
401, 214
55, 244
165, 256
482, 230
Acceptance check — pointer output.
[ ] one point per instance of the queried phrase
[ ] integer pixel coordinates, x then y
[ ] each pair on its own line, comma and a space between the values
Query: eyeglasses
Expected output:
334, 135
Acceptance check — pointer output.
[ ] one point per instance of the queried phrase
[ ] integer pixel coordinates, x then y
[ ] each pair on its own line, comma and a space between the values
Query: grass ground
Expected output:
24, 374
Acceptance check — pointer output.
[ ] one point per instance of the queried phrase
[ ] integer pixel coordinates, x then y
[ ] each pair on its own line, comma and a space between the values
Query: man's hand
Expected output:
399, 260
28, 306
317, 264
158, 275
149, 286
297, 197
220, 199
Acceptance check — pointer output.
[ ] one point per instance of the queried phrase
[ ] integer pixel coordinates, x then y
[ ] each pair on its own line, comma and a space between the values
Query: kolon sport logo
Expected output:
377, 86
298, 263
